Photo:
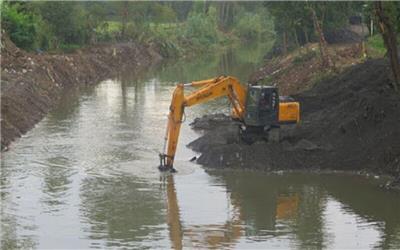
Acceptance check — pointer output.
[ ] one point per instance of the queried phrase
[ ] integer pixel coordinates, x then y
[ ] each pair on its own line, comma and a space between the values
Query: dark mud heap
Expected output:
349, 122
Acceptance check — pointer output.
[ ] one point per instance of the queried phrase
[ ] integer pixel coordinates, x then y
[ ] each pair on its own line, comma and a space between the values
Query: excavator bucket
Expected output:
164, 167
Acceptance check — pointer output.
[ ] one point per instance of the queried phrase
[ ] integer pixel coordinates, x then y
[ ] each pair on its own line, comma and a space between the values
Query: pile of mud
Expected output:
31, 84
349, 122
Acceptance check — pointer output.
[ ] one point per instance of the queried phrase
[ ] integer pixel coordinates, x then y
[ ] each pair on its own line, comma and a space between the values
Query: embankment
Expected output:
299, 70
349, 122
31, 84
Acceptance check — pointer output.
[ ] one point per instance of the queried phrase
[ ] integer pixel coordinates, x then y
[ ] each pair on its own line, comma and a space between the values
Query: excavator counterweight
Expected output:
258, 108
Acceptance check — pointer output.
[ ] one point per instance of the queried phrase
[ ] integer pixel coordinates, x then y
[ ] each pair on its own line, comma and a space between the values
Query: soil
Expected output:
349, 122
32, 84
353, 33
301, 69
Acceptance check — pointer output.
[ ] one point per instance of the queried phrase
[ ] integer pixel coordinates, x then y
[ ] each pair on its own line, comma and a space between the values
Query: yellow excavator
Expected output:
259, 109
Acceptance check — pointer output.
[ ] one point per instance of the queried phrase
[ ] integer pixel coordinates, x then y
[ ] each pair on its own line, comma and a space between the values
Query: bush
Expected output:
249, 27
20, 26
166, 39
67, 21
376, 44
44, 35
202, 28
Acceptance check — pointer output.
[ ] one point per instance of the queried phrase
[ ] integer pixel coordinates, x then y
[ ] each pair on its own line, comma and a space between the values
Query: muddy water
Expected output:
85, 177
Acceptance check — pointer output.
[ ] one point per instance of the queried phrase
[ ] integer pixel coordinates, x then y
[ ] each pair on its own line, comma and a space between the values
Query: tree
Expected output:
19, 25
226, 12
182, 9
325, 57
388, 17
66, 19
297, 23
124, 17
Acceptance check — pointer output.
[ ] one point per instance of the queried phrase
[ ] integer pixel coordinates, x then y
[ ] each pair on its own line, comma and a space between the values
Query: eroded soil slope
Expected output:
349, 122
302, 68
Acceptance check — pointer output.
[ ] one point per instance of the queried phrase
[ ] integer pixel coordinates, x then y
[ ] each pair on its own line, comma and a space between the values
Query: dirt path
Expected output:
31, 84
349, 122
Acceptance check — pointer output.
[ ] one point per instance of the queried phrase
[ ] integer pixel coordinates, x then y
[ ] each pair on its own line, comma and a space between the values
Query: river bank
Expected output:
31, 84
349, 122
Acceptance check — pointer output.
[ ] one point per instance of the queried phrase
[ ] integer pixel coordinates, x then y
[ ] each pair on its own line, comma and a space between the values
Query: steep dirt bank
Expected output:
349, 122
31, 84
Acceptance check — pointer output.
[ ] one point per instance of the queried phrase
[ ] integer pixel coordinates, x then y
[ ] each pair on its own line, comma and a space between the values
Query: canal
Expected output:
86, 177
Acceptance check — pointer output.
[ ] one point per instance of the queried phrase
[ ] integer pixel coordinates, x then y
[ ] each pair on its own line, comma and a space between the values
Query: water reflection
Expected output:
313, 211
174, 220
372, 204
239, 62
56, 180
199, 235
256, 210
123, 210
273, 211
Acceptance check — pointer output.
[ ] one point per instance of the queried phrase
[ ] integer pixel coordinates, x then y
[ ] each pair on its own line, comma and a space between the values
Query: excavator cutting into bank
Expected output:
258, 109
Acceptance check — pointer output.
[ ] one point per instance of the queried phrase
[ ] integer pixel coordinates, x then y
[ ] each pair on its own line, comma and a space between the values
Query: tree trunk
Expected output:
229, 15
325, 57
206, 6
221, 16
307, 40
296, 39
284, 38
389, 38
124, 19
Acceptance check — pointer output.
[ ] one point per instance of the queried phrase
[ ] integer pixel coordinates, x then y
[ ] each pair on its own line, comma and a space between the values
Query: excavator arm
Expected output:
207, 90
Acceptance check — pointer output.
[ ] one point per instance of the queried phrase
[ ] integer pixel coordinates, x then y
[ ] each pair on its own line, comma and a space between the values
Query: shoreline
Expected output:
385, 181
32, 84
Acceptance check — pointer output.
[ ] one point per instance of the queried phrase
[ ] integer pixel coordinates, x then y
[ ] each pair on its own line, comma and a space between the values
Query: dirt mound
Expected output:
31, 84
352, 34
300, 69
349, 122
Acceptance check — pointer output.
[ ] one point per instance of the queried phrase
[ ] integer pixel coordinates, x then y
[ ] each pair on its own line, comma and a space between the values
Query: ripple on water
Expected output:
86, 176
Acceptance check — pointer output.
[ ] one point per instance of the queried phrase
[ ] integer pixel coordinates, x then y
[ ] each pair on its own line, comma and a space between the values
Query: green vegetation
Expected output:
181, 28
26, 29
376, 46
295, 23
175, 28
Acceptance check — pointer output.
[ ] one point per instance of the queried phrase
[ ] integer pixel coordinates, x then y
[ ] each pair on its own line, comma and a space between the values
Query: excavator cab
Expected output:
264, 112
262, 106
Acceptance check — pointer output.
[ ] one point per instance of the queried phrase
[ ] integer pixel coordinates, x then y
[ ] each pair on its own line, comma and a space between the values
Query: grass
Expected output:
303, 58
69, 48
376, 46
113, 26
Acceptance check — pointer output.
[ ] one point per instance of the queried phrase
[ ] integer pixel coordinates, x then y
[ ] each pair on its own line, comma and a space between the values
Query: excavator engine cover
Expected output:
262, 106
